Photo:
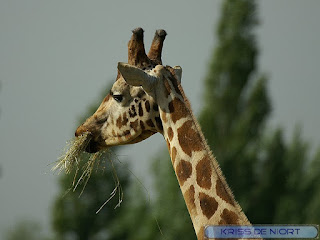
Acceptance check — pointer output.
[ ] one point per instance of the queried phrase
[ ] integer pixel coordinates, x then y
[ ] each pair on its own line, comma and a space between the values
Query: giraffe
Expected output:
147, 98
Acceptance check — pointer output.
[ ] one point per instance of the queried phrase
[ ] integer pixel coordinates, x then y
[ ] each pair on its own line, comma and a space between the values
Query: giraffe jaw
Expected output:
93, 146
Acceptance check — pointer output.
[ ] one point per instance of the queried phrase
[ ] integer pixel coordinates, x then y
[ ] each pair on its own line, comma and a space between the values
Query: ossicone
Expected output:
136, 51
156, 46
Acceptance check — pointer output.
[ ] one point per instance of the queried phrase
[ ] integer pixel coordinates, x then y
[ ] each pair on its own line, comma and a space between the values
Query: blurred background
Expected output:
249, 71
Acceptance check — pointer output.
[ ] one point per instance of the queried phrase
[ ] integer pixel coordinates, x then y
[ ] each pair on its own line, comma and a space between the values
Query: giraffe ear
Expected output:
136, 77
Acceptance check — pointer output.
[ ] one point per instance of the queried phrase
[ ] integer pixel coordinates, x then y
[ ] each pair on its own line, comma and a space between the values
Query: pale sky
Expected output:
57, 56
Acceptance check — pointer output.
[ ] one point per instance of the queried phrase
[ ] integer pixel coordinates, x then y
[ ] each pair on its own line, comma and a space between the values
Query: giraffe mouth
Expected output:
92, 147
95, 145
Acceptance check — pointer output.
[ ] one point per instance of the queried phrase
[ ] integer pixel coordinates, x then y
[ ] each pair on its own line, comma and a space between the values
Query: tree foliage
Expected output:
269, 177
236, 102
25, 229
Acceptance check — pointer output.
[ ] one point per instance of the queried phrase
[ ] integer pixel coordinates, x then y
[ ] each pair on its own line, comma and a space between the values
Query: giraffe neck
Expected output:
207, 195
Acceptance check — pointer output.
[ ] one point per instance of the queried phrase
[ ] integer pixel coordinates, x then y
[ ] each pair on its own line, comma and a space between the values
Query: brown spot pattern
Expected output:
204, 172
147, 105
140, 110
132, 111
170, 133
124, 119
150, 123
164, 117
134, 125
168, 145
155, 107
119, 122
173, 155
142, 125
183, 170
190, 200
208, 205
222, 193
189, 139
126, 133
228, 217
159, 123
177, 109
171, 107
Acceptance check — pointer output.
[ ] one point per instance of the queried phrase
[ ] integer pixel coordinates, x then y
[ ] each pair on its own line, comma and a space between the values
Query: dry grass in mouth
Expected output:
73, 155
73, 150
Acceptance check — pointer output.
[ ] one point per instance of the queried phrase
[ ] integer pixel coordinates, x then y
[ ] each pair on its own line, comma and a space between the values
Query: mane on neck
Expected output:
208, 197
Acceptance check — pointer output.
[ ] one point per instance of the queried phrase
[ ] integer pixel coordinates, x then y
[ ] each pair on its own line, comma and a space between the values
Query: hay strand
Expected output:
71, 157
117, 188
87, 171
71, 160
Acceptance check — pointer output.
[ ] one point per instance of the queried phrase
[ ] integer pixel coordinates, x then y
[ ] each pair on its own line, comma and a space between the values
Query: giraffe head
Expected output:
130, 112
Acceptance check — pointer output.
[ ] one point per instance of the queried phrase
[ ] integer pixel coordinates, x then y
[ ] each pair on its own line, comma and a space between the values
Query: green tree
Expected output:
312, 191
25, 229
272, 180
287, 188
74, 216
300, 184
236, 102
270, 176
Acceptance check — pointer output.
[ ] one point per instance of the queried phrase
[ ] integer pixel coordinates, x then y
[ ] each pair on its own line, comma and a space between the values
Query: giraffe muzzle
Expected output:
80, 130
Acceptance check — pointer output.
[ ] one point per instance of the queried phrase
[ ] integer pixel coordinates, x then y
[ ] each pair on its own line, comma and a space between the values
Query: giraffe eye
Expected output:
118, 97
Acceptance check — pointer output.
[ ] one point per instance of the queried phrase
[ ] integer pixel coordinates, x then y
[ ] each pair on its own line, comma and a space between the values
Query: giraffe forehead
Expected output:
120, 86
137, 92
